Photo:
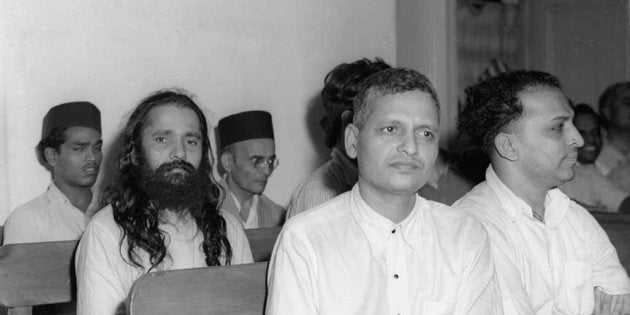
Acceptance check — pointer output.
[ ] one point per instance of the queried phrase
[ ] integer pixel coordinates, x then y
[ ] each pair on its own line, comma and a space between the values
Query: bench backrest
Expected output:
36, 274
43, 273
617, 226
236, 290
261, 241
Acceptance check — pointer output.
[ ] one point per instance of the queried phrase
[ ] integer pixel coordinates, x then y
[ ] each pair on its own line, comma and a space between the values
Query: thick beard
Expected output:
177, 192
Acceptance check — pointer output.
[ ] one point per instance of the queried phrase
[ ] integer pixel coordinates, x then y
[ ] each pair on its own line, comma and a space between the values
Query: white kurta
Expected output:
344, 258
49, 217
104, 276
550, 267
251, 222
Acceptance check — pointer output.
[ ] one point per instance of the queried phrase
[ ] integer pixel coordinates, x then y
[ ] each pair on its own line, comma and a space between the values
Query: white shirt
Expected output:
344, 258
608, 158
594, 191
104, 276
49, 217
550, 267
252, 218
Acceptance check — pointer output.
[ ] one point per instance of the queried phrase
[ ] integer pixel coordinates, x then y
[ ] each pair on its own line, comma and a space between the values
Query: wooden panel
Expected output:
617, 226
37, 273
583, 42
236, 290
261, 241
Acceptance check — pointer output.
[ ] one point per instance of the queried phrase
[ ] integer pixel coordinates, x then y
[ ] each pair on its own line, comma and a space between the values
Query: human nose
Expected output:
408, 144
178, 151
575, 139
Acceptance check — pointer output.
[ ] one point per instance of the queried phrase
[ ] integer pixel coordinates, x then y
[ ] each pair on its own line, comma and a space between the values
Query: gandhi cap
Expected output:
245, 126
74, 114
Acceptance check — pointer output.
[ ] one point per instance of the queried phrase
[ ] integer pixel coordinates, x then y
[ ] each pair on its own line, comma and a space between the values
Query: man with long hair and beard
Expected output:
164, 208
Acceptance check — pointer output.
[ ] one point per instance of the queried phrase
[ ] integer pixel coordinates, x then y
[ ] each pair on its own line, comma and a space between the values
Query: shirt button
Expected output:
396, 276
393, 231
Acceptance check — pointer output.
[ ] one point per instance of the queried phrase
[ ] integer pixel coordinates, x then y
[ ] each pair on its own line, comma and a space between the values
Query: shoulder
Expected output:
322, 218
270, 204
448, 220
28, 213
103, 225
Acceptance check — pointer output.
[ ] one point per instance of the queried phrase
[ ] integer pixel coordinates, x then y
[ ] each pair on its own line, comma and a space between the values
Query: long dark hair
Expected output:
133, 210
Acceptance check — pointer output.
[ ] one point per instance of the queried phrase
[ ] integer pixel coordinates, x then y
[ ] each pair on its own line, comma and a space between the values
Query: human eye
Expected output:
193, 142
428, 134
559, 127
389, 129
98, 147
160, 139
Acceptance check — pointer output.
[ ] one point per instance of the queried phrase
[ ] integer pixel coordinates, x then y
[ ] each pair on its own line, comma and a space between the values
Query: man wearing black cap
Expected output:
248, 156
71, 149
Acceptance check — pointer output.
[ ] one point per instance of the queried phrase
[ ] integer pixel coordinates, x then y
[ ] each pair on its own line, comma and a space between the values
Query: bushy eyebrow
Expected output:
85, 143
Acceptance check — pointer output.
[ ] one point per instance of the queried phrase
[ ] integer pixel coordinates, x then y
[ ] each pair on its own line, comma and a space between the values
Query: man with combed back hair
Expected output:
380, 248
70, 149
550, 254
340, 173
164, 208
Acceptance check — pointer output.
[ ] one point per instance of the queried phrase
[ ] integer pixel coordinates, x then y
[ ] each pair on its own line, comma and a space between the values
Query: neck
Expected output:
79, 196
395, 207
524, 187
619, 139
243, 197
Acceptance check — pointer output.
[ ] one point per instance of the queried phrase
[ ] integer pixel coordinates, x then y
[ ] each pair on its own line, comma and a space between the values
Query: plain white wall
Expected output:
234, 55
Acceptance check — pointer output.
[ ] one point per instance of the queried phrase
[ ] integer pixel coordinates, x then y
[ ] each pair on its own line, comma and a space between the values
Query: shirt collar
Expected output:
556, 202
378, 229
56, 196
345, 167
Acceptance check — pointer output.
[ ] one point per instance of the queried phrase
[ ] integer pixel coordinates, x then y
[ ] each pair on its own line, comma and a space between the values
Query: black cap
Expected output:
245, 126
74, 114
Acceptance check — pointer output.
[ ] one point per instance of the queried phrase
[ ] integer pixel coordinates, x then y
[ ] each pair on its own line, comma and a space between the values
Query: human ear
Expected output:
50, 155
351, 138
505, 146
227, 161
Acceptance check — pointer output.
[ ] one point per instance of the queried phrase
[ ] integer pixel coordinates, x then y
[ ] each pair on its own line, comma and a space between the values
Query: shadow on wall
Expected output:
316, 134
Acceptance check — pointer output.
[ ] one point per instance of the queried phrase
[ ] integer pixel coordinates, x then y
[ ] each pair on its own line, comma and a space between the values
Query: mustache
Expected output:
169, 166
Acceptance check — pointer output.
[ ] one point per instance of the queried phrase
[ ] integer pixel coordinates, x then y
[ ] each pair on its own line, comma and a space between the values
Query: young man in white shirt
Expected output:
71, 150
380, 248
614, 108
164, 212
589, 187
339, 174
550, 254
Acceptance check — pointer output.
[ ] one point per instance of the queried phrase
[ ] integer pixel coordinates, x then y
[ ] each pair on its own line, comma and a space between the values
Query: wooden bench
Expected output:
617, 226
43, 273
236, 290
36, 274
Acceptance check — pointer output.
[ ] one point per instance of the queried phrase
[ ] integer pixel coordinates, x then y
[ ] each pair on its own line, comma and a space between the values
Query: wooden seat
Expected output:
261, 241
236, 290
36, 274
43, 273
617, 226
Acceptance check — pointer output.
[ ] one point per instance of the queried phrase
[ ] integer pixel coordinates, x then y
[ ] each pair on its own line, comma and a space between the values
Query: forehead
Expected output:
415, 106
545, 104
81, 134
174, 118
255, 147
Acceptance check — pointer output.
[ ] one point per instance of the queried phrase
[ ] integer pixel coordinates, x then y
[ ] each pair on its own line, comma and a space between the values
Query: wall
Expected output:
425, 34
234, 55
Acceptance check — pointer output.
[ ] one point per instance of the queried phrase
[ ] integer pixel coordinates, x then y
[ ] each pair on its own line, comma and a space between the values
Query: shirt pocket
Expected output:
576, 288
437, 308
